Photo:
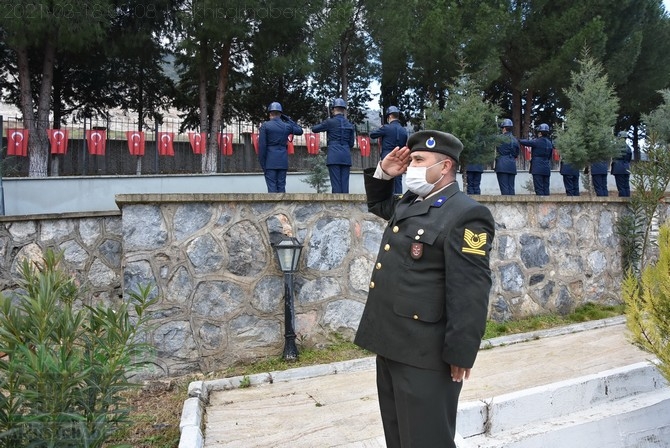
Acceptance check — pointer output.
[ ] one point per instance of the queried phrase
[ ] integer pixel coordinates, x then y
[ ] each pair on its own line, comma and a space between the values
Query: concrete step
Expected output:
624, 407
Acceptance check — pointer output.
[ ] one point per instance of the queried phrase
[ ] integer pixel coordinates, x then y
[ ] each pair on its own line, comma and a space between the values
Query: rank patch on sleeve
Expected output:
473, 242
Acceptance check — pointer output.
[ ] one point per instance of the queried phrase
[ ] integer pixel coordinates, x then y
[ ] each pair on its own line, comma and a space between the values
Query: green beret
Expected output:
435, 141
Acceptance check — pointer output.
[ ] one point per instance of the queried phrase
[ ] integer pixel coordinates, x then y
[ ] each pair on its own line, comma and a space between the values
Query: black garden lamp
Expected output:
288, 255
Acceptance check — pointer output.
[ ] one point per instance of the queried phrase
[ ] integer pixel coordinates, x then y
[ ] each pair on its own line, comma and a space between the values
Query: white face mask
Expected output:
415, 178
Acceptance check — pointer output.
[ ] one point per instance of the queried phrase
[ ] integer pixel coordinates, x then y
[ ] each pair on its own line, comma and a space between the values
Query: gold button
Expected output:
415, 317
417, 237
395, 229
387, 247
420, 232
379, 265
372, 285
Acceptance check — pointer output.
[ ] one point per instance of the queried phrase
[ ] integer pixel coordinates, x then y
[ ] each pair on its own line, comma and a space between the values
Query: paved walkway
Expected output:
341, 410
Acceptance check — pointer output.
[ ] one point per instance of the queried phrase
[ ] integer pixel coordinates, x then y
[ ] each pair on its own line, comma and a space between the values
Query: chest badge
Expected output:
416, 252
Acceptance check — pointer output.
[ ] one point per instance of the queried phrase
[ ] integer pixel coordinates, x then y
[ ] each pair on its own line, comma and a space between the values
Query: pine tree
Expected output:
659, 120
318, 177
469, 117
588, 136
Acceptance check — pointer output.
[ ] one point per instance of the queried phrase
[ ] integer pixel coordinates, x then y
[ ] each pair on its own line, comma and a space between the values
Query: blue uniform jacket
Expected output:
507, 153
568, 170
621, 165
392, 135
599, 168
474, 168
340, 134
272, 143
540, 155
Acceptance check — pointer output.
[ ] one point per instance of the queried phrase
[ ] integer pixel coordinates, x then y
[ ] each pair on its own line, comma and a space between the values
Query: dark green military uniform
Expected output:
426, 308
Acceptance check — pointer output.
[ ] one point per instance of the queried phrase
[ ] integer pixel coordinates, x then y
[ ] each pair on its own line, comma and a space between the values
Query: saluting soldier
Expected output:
621, 166
542, 149
273, 147
393, 135
428, 296
340, 134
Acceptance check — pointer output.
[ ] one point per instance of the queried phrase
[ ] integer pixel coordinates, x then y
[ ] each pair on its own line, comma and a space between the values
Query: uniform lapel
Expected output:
407, 208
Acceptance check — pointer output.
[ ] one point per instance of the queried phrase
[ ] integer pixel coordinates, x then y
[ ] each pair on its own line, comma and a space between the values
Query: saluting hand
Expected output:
396, 162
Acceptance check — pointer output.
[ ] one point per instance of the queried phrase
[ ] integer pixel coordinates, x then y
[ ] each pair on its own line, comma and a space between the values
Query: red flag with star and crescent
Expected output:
58, 139
96, 140
364, 145
17, 142
165, 145
135, 142
312, 142
225, 141
198, 142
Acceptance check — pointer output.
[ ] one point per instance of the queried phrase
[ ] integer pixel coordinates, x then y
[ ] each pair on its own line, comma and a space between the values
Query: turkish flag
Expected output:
58, 139
135, 142
312, 142
96, 141
225, 142
526, 152
254, 141
557, 155
17, 142
364, 145
165, 146
289, 145
198, 142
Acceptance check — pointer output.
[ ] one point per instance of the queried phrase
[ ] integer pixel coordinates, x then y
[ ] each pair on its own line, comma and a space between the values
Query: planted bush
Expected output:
65, 363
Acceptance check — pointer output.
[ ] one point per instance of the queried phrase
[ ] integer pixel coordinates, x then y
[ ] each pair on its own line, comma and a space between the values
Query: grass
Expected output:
157, 407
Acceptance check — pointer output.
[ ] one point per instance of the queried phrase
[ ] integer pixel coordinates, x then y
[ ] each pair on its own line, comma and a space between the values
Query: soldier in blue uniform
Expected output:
473, 177
428, 296
506, 154
542, 149
621, 166
340, 134
599, 177
272, 147
393, 135
570, 179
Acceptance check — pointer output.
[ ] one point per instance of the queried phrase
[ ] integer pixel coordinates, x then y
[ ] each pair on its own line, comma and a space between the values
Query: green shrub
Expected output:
65, 363
647, 301
318, 177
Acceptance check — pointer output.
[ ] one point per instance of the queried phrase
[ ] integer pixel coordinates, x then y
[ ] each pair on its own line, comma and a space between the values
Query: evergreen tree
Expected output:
318, 177
34, 33
469, 117
588, 135
659, 119
342, 57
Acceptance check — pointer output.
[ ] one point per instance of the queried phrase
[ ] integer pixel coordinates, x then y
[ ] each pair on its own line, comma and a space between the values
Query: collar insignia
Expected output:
439, 202
473, 242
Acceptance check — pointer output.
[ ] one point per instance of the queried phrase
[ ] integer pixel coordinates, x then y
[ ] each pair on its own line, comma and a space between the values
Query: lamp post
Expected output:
288, 254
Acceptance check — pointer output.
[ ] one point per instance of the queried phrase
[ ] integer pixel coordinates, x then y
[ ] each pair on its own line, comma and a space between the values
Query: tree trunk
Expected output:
202, 96
37, 123
217, 114
528, 110
516, 111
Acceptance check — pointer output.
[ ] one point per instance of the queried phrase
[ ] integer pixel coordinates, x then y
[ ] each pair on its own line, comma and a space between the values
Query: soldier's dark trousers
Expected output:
339, 178
418, 406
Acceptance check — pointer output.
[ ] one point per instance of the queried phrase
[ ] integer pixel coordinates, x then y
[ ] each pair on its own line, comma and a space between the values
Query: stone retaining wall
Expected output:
221, 291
